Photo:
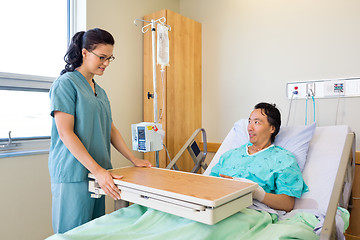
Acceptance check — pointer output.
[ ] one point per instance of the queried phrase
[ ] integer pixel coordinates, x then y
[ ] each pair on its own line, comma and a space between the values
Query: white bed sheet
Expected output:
320, 171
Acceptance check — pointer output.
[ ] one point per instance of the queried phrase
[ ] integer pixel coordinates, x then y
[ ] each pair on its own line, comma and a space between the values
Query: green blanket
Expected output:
138, 222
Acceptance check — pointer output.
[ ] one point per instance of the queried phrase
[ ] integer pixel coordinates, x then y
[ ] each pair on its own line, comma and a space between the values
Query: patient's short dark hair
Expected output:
273, 116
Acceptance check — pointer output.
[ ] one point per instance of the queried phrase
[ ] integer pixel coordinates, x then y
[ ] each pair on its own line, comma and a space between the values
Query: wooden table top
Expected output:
183, 183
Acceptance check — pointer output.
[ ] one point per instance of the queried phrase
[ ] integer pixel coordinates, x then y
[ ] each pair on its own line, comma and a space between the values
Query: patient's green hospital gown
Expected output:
274, 169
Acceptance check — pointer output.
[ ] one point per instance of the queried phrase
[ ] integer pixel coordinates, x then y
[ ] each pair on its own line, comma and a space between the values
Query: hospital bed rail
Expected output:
196, 154
344, 175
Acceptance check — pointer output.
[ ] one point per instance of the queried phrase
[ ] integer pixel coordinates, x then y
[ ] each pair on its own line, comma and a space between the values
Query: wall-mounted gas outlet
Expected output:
310, 89
296, 90
347, 87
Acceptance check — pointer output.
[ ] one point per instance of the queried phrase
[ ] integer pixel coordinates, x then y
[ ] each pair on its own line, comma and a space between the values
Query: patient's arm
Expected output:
275, 201
279, 201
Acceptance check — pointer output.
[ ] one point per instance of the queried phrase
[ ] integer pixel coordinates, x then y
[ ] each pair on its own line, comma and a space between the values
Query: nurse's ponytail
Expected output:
73, 56
88, 40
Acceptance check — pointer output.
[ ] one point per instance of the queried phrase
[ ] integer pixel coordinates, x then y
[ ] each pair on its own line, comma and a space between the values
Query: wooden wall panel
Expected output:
182, 83
354, 228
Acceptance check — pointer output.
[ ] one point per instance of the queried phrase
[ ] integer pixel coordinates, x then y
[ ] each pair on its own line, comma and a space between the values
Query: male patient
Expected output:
273, 168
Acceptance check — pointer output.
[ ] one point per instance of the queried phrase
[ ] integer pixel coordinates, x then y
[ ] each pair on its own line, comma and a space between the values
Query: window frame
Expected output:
24, 145
12, 147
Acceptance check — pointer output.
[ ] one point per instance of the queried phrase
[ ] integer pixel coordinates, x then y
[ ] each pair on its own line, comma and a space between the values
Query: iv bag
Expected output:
162, 45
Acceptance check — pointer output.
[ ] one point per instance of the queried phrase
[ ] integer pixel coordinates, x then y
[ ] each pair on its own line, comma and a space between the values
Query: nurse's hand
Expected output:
106, 182
141, 163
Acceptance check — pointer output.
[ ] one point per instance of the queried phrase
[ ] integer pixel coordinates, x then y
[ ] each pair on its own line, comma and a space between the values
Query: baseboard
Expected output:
351, 237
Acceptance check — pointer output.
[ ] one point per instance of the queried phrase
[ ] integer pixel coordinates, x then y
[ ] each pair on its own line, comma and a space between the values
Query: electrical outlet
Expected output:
334, 88
338, 88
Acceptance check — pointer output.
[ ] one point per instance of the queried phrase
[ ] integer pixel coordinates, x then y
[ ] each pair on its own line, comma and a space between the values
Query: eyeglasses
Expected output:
103, 59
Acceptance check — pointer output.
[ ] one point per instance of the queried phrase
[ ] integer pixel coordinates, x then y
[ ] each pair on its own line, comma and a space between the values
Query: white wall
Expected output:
251, 49
25, 198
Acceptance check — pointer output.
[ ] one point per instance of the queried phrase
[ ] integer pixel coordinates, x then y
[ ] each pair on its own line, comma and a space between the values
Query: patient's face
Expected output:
259, 128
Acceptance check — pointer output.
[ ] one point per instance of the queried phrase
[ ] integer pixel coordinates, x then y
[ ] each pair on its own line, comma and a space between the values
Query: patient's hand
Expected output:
259, 192
225, 176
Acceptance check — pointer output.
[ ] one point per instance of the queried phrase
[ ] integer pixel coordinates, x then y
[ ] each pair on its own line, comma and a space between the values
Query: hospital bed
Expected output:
326, 155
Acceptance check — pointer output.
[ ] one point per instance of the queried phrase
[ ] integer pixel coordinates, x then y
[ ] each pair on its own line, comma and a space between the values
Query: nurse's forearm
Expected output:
104, 178
65, 126
279, 201
77, 149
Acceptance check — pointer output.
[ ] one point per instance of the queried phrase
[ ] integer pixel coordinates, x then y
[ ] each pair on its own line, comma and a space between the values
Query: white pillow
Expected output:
294, 139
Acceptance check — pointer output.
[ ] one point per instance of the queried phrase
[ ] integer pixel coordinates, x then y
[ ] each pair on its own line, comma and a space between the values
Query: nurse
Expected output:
273, 168
83, 132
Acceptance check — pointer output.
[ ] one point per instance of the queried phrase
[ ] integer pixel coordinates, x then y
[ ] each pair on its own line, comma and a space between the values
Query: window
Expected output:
24, 108
34, 40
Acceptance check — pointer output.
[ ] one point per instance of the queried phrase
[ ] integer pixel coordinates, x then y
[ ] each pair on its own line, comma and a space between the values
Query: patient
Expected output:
273, 168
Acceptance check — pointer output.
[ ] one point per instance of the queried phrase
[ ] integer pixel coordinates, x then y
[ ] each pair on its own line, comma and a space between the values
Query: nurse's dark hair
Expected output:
273, 116
88, 40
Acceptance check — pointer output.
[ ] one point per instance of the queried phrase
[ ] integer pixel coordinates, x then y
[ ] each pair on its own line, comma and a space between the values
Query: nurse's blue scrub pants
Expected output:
73, 206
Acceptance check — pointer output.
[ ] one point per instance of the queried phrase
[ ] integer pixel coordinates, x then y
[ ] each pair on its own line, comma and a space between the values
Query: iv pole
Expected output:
144, 29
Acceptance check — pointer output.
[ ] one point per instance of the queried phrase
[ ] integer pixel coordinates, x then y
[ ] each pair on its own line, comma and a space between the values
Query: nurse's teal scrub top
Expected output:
72, 94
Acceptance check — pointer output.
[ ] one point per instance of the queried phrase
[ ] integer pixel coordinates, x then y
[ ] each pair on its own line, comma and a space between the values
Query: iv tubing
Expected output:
153, 30
292, 97
306, 110
313, 105
337, 109
161, 113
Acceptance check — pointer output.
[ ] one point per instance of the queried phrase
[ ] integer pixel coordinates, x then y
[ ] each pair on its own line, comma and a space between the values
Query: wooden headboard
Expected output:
211, 147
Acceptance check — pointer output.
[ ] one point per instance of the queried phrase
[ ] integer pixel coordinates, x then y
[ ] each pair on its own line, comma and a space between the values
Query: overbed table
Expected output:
201, 198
